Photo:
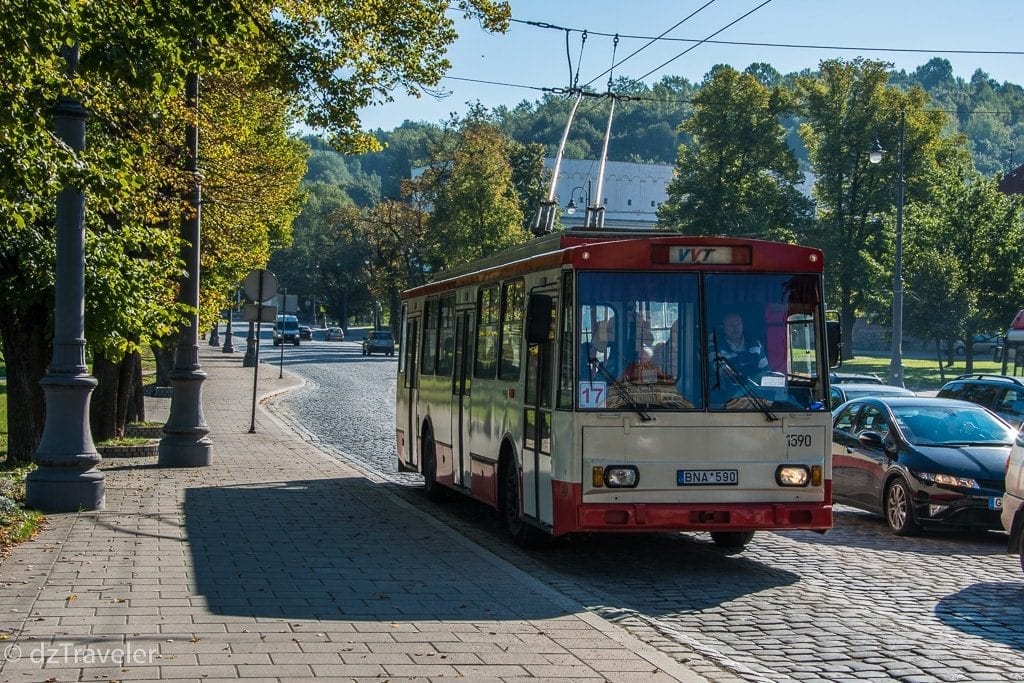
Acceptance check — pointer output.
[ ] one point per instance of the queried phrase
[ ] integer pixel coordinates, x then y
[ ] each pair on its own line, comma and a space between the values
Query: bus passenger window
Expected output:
511, 330
487, 333
446, 336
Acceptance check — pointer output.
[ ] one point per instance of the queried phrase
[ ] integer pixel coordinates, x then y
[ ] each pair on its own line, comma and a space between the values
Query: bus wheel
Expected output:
523, 535
732, 540
435, 491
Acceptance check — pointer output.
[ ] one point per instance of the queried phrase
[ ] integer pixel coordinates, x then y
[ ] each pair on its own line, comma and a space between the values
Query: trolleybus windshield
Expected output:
695, 341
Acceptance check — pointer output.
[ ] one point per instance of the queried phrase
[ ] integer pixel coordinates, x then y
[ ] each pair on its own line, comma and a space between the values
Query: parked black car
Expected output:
1002, 394
920, 461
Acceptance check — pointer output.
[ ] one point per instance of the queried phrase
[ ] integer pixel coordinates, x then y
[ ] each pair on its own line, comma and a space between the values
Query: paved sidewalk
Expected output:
280, 563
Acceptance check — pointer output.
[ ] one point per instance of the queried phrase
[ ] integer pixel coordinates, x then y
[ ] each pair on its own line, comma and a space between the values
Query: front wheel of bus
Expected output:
523, 535
732, 540
434, 491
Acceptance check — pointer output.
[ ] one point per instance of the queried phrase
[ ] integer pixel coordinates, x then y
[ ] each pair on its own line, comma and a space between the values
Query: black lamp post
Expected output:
896, 361
186, 443
66, 478
591, 214
229, 345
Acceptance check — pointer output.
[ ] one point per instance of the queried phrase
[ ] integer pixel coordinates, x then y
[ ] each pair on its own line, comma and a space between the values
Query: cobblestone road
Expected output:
855, 604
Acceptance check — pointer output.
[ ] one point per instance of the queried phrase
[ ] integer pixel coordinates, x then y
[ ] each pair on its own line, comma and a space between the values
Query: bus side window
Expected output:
487, 333
511, 330
446, 336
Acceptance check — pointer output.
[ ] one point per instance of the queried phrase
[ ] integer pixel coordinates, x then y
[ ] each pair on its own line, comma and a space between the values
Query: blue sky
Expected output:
536, 57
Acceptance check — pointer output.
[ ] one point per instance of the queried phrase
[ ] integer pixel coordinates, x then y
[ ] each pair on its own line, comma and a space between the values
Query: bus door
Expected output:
461, 381
537, 423
412, 439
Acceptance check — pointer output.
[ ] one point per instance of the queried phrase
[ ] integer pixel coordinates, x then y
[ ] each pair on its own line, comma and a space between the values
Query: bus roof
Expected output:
649, 250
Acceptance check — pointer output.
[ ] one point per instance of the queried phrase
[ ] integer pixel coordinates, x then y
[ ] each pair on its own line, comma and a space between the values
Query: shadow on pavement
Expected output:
987, 610
338, 549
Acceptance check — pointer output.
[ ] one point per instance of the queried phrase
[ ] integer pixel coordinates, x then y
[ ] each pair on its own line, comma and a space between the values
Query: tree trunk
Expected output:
164, 364
847, 317
103, 403
27, 351
136, 410
938, 355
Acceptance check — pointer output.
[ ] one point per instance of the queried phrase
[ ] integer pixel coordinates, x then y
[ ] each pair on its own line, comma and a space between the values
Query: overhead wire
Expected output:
696, 45
651, 41
797, 46
661, 100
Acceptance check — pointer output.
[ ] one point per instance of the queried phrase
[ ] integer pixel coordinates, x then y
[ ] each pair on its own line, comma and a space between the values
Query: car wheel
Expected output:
433, 490
899, 511
732, 540
523, 535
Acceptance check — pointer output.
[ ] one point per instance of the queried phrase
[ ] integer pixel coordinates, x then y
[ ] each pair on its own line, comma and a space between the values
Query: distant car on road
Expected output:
286, 329
334, 334
305, 332
921, 462
983, 344
843, 392
379, 341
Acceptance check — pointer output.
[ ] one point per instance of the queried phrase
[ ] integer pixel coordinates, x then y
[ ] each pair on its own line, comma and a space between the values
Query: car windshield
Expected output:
923, 425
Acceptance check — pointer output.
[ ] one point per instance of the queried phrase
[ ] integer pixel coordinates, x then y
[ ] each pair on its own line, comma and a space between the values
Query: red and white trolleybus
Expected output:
626, 382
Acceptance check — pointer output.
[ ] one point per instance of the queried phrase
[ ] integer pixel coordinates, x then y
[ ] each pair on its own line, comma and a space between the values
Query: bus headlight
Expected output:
792, 475
621, 476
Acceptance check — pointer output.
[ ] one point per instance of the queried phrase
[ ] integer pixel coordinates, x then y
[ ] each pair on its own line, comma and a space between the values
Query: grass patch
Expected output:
921, 374
125, 441
17, 524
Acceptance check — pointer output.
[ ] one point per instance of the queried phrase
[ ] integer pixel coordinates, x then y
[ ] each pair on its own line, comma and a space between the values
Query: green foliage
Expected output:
964, 254
469, 185
737, 176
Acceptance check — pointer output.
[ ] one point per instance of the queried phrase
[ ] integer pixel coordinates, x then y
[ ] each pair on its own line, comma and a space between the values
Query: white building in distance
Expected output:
631, 193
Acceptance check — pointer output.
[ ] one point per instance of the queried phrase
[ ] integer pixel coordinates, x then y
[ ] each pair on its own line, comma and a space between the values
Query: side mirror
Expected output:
539, 316
834, 342
871, 439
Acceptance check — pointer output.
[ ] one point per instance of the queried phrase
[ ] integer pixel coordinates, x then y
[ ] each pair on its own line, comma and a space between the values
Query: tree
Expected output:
737, 176
965, 254
469, 185
846, 106
323, 59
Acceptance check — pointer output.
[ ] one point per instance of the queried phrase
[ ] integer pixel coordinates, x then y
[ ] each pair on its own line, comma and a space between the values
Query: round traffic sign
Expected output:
260, 285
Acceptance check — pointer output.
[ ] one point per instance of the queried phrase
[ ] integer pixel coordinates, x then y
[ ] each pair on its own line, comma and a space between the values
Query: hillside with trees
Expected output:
746, 145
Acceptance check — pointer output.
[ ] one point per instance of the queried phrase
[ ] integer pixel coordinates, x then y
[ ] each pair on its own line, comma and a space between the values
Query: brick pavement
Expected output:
280, 563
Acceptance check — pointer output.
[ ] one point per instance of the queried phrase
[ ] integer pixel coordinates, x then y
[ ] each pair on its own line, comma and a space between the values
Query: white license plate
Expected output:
707, 477
995, 503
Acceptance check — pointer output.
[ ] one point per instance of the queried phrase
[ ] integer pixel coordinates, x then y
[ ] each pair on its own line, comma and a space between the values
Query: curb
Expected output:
136, 451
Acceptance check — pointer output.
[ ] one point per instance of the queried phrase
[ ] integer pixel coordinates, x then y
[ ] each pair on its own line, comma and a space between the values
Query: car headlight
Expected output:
948, 480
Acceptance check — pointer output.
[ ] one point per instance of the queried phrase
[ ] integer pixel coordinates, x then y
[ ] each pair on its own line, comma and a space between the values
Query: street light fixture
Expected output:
590, 213
896, 361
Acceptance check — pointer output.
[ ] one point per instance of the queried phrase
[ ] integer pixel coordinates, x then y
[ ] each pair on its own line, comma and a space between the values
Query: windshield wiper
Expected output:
740, 379
620, 390
721, 362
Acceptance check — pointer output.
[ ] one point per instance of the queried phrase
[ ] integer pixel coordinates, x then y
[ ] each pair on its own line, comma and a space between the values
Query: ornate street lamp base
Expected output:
63, 489
185, 450
186, 443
